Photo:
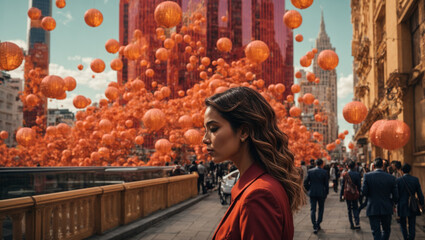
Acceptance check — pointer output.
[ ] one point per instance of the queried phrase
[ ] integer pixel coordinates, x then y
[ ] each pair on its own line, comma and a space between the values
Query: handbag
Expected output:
413, 201
350, 190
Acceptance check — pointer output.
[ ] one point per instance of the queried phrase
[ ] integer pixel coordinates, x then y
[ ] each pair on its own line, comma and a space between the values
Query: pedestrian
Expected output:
381, 192
311, 164
202, 171
350, 189
334, 176
241, 126
408, 186
317, 185
396, 169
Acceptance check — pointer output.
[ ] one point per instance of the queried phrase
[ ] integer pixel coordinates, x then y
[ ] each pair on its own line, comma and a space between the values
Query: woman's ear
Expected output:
244, 133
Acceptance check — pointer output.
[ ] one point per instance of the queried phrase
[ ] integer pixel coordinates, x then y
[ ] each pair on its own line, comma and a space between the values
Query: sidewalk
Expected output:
199, 222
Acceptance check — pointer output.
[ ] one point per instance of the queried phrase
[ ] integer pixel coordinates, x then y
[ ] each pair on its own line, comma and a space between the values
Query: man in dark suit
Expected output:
381, 191
352, 205
317, 184
403, 210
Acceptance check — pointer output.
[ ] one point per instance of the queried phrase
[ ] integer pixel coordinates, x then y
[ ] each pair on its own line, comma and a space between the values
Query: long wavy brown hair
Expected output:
245, 107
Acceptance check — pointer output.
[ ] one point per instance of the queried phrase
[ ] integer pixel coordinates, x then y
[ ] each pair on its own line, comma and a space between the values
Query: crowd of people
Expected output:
384, 189
209, 173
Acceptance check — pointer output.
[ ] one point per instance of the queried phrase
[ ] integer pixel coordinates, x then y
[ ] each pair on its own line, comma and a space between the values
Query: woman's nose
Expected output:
205, 139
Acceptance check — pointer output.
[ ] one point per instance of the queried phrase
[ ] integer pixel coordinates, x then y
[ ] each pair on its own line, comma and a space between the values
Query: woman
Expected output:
241, 126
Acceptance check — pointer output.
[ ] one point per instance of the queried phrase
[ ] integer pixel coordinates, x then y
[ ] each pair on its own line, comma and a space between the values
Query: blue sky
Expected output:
73, 42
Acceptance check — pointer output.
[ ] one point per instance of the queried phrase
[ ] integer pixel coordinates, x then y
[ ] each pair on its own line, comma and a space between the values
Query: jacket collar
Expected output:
249, 176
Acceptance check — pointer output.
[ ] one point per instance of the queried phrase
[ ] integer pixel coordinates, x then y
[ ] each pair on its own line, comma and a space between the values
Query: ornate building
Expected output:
388, 47
325, 92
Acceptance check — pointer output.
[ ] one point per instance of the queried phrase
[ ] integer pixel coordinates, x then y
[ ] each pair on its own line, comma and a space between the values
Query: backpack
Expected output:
350, 190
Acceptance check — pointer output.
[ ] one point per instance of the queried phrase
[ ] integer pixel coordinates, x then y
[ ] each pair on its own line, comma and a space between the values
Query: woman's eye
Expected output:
213, 129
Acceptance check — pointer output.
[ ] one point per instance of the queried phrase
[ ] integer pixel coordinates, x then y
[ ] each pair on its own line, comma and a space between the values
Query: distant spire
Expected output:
322, 24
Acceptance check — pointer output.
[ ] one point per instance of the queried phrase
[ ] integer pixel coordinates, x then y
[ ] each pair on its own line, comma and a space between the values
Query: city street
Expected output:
199, 222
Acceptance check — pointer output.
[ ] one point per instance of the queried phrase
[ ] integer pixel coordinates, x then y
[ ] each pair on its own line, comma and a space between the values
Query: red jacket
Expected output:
260, 209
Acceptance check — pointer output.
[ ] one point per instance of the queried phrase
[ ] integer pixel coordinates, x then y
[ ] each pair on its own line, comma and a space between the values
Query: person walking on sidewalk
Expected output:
408, 185
202, 170
350, 189
381, 191
317, 185
241, 126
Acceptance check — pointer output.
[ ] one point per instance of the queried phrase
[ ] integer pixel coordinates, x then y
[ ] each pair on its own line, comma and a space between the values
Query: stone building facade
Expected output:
388, 47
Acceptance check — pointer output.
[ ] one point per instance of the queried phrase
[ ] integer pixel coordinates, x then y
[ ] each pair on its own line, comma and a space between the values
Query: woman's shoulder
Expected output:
264, 186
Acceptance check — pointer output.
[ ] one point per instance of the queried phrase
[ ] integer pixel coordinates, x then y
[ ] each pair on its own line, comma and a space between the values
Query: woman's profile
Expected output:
241, 126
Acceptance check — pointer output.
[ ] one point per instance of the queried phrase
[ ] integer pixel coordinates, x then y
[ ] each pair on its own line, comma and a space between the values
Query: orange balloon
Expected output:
112, 46
161, 54
139, 140
168, 43
185, 121
372, 133
51, 130
63, 128
48, 23
31, 100
305, 61
257, 51
302, 4
163, 146
351, 145
298, 74
295, 88
280, 88
341, 136
346, 132
25, 136
354, 112
299, 38
108, 139
34, 13
52, 86
93, 17
149, 72
308, 98
310, 76
224, 44
105, 125
70, 83
116, 64
60, 3
292, 19
316, 102
112, 93
80, 67
168, 14
393, 134
290, 98
318, 118
223, 18
97, 65
295, 111
11, 56
328, 60
154, 119
192, 136
137, 84
132, 51
80, 101
4, 135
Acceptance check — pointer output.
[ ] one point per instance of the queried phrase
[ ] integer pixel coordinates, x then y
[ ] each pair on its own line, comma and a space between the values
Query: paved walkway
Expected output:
199, 222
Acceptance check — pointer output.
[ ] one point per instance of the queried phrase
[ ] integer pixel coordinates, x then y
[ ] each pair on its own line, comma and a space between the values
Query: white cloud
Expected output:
311, 39
74, 58
64, 17
345, 86
21, 43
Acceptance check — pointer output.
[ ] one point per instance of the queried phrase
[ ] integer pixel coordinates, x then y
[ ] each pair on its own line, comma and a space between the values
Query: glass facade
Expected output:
246, 20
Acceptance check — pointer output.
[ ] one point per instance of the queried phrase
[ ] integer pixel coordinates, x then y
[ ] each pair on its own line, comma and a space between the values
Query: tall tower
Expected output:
325, 92
37, 58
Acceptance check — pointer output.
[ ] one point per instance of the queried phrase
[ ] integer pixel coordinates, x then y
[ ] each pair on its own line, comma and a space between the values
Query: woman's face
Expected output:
222, 142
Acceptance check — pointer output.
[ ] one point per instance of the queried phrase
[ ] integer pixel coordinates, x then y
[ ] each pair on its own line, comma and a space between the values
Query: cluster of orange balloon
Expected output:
111, 133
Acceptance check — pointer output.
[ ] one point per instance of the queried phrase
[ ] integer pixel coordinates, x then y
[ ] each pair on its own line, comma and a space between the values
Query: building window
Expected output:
416, 37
